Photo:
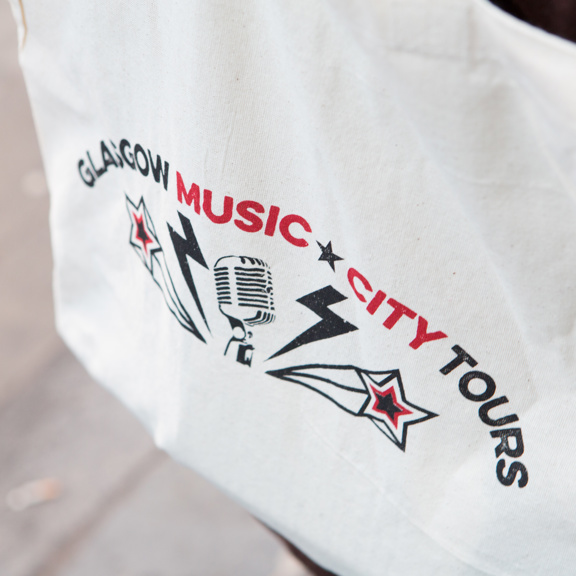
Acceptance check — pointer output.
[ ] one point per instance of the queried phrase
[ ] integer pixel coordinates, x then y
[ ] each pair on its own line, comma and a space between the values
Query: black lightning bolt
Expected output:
331, 324
185, 247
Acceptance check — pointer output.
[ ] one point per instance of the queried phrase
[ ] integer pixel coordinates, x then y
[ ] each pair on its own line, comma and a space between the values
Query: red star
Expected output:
142, 235
385, 402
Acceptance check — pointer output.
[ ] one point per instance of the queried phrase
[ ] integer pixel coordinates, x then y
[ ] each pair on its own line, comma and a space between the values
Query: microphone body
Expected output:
244, 289
245, 296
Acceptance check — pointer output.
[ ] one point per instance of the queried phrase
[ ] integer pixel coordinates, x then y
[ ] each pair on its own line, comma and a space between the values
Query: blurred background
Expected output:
83, 492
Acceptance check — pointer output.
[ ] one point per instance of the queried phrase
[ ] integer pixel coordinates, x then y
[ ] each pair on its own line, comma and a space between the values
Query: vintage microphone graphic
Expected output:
245, 296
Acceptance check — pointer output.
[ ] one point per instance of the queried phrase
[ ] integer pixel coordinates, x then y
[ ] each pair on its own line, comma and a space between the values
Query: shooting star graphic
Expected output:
144, 240
376, 395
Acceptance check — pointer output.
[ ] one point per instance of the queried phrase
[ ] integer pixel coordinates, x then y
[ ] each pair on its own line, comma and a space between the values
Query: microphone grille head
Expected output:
244, 289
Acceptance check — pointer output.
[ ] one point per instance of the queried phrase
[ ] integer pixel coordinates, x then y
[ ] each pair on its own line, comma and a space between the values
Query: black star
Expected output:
327, 254
142, 235
386, 404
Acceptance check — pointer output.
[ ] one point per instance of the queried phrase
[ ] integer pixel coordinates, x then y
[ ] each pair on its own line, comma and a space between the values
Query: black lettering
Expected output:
477, 375
87, 173
509, 478
143, 169
118, 157
504, 446
107, 157
97, 171
461, 357
485, 408
129, 160
157, 170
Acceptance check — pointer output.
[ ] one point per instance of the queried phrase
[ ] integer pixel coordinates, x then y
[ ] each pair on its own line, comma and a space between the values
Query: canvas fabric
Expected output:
325, 252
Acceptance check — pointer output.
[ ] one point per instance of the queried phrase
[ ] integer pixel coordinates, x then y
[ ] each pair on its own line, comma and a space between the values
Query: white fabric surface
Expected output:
433, 144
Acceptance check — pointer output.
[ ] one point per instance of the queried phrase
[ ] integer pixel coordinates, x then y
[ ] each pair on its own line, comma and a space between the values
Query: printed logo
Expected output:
144, 240
245, 297
244, 293
378, 396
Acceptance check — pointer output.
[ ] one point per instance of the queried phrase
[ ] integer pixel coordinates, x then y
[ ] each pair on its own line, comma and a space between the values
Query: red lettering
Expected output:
399, 311
376, 302
423, 336
192, 195
243, 208
226, 215
285, 224
352, 275
271, 222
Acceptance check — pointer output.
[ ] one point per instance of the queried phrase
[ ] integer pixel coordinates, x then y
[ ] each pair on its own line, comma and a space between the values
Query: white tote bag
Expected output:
326, 252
